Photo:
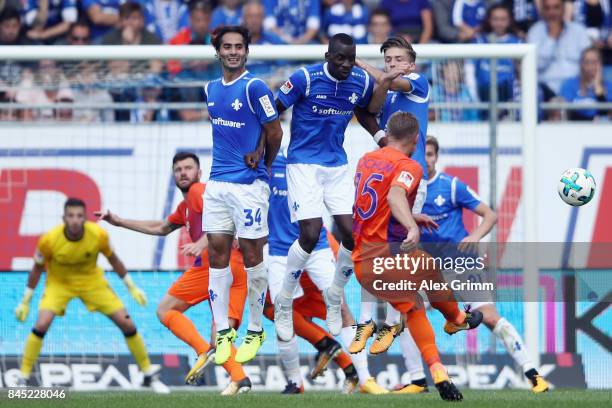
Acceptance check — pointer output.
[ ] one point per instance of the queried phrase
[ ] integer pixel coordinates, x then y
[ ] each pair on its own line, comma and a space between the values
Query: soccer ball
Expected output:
576, 186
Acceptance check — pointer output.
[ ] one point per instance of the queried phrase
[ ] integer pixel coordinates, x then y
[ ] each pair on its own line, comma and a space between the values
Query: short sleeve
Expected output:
261, 101
43, 250
368, 89
465, 197
420, 86
408, 175
195, 197
29, 11
105, 246
178, 216
295, 88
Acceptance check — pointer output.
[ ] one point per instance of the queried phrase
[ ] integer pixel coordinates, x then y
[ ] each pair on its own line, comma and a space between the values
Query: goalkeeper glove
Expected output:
22, 310
135, 291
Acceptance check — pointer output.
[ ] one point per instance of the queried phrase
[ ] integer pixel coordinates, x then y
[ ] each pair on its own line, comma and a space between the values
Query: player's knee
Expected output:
490, 320
38, 332
309, 237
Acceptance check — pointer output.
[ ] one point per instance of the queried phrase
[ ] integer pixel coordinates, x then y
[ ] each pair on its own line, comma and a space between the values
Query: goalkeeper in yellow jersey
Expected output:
69, 253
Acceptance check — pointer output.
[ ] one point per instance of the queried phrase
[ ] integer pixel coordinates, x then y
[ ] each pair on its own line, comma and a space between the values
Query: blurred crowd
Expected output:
573, 38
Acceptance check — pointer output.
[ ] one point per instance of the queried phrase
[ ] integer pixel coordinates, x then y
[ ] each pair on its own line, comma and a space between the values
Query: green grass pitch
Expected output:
187, 399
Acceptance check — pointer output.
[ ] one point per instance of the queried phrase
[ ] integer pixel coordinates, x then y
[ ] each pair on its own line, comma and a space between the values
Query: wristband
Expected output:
379, 135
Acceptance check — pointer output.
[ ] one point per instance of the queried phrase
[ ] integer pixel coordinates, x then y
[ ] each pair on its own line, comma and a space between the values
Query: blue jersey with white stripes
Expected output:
282, 232
238, 110
58, 11
447, 196
416, 102
322, 109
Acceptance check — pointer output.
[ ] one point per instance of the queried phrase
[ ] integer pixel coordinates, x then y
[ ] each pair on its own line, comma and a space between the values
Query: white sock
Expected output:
412, 356
368, 303
344, 271
290, 360
360, 360
257, 277
514, 344
393, 316
219, 283
296, 260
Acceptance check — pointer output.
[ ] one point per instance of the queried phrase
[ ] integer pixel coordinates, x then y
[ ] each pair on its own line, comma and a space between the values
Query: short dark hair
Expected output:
398, 42
340, 39
380, 12
431, 140
74, 202
218, 34
126, 9
9, 13
402, 125
81, 22
180, 156
200, 5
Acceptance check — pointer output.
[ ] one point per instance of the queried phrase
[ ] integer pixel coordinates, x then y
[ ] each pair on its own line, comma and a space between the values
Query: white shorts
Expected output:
320, 267
232, 208
311, 188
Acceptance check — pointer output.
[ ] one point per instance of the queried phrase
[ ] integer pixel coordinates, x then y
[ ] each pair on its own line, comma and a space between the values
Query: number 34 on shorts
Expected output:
252, 216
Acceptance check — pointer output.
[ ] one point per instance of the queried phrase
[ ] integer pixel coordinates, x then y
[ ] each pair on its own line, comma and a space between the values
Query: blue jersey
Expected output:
59, 11
571, 92
446, 198
469, 12
322, 109
108, 7
222, 16
354, 22
416, 102
238, 110
282, 232
292, 17
265, 67
505, 66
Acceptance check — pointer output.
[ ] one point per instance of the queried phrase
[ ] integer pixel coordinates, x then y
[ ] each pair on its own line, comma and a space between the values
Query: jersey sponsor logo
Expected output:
287, 87
353, 98
236, 105
393, 97
439, 200
331, 111
211, 104
227, 123
321, 96
406, 178
279, 192
266, 104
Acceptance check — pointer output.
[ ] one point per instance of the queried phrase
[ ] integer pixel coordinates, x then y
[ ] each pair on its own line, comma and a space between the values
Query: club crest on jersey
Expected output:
353, 98
287, 87
236, 105
406, 178
439, 200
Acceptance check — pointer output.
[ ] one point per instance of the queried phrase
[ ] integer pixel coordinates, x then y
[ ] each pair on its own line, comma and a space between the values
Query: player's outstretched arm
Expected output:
22, 310
121, 270
150, 227
381, 88
489, 219
398, 84
400, 208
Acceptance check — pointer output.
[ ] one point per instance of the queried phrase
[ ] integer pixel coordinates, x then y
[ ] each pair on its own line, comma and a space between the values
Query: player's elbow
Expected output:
492, 217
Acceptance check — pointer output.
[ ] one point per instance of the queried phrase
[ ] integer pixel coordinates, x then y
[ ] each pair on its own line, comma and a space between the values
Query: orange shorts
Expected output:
192, 286
311, 304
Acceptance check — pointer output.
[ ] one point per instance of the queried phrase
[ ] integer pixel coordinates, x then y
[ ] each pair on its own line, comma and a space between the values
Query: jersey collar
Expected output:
235, 80
431, 180
328, 75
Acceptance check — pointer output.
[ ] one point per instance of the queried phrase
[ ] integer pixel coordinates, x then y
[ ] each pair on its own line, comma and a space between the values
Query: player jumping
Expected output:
309, 303
69, 253
324, 97
192, 287
241, 108
447, 197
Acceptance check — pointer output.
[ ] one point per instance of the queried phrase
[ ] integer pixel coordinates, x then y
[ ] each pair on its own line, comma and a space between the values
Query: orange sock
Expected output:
233, 368
343, 360
184, 329
423, 336
307, 329
450, 311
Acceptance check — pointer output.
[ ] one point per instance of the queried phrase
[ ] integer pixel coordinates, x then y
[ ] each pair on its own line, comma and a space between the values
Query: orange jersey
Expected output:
376, 173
